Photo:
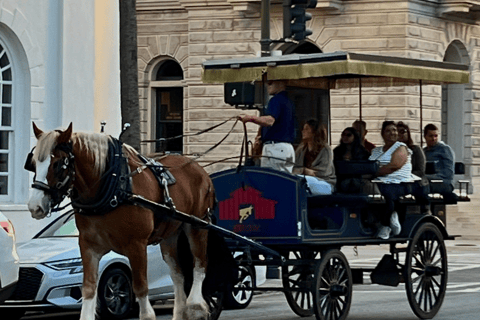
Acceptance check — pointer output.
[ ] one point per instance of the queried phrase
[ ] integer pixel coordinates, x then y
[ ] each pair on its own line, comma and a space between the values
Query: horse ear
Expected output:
36, 130
65, 135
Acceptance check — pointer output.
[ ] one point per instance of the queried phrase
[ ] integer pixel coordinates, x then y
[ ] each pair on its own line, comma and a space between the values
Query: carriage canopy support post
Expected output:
421, 115
162, 209
265, 41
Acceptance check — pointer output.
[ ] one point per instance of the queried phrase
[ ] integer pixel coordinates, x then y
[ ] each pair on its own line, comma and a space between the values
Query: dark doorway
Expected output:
169, 122
310, 103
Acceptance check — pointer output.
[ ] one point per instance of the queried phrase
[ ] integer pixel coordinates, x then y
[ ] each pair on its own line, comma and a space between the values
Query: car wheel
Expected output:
12, 314
115, 295
236, 297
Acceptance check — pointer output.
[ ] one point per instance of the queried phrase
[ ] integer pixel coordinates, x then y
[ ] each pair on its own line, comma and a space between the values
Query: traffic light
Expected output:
295, 17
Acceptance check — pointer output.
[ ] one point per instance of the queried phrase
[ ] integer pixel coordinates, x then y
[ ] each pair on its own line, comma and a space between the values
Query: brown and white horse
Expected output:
128, 229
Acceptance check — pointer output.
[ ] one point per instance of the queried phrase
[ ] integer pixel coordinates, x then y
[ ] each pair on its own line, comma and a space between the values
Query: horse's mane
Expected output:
94, 144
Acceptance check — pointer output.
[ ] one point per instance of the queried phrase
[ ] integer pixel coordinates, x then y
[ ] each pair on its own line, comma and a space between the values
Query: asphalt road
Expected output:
369, 301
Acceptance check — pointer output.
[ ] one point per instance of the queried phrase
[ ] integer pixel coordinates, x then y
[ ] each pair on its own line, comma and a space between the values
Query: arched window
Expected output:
169, 106
6, 128
15, 119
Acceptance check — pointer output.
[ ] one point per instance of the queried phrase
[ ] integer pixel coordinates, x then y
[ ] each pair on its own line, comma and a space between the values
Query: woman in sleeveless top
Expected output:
394, 176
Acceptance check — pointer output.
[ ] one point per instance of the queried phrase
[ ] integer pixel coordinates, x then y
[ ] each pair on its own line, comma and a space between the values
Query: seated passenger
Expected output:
314, 158
395, 169
351, 149
444, 159
361, 127
421, 188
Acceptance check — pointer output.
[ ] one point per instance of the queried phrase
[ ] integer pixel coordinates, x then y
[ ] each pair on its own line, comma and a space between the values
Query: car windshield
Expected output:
68, 229
62, 227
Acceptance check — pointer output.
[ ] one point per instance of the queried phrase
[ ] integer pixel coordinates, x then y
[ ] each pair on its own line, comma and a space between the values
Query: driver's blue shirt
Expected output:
283, 129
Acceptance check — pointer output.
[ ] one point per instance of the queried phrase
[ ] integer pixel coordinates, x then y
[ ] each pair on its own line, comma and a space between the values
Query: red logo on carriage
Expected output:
244, 203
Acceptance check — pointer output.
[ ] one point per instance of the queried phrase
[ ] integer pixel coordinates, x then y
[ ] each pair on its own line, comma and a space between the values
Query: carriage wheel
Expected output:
298, 280
215, 304
333, 287
426, 271
239, 295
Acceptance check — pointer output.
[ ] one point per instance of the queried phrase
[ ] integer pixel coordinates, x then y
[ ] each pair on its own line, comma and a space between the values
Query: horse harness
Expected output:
116, 182
67, 168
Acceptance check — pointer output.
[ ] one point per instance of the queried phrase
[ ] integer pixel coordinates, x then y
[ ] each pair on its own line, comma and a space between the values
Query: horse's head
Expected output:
52, 162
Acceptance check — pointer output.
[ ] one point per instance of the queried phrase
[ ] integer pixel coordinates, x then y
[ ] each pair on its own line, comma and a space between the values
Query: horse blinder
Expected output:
29, 165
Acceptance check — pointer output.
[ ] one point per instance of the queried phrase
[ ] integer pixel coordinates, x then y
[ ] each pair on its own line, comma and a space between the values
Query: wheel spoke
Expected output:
419, 262
437, 247
436, 282
419, 287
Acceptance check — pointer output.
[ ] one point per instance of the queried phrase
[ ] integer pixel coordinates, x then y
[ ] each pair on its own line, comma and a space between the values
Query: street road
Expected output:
369, 301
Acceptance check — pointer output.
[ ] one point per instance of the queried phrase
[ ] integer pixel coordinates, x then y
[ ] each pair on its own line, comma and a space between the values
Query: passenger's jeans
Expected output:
421, 194
392, 192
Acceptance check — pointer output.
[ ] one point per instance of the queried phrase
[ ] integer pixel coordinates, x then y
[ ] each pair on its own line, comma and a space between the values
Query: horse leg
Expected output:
137, 254
170, 255
197, 307
90, 261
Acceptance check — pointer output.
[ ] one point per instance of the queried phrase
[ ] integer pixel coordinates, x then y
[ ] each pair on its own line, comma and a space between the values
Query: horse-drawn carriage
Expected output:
307, 232
266, 214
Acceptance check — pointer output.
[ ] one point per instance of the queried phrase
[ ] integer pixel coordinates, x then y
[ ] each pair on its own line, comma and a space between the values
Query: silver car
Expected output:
51, 276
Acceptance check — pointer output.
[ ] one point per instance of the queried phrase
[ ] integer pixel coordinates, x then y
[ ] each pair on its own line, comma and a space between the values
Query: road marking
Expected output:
463, 267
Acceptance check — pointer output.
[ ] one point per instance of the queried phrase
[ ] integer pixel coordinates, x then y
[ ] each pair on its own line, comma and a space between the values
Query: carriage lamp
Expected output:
73, 265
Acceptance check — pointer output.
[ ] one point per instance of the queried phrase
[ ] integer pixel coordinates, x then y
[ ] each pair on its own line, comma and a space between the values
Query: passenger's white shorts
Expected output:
279, 156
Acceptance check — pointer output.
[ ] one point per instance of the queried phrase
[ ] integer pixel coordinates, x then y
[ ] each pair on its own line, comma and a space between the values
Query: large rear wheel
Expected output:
333, 287
297, 279
426, 271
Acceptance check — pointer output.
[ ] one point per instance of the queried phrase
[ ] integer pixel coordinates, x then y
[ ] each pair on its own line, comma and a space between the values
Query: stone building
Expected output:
59, 63
176, 36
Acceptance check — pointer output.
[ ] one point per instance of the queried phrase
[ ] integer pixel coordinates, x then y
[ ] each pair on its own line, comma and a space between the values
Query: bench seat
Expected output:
354, 200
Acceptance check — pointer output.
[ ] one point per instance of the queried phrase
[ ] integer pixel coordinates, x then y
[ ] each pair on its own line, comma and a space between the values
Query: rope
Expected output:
192, 134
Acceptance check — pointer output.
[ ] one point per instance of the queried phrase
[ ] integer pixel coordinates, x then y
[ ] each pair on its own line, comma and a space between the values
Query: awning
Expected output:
336, 70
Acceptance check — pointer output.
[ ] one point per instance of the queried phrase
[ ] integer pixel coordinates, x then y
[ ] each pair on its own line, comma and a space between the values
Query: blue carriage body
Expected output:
273, 208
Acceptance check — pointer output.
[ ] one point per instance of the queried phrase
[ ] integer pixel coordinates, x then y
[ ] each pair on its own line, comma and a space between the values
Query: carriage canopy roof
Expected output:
335, 70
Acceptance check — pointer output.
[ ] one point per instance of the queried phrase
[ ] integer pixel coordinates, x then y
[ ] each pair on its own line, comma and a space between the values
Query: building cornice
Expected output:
466, 9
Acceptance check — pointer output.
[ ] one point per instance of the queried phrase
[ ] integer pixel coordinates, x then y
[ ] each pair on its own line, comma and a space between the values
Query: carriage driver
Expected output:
277, 129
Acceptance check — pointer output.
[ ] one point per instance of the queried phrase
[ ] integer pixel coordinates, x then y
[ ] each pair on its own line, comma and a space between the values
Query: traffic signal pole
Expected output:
265, 40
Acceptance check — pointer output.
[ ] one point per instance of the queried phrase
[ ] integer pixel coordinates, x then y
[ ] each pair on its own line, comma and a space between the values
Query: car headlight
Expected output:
73, 265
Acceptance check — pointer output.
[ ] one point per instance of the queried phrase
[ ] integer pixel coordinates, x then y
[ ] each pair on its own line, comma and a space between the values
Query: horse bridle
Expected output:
61, 189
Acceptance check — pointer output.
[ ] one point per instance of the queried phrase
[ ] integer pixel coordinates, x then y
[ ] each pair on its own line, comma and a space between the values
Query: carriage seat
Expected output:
356, 168
452, 198
355, 200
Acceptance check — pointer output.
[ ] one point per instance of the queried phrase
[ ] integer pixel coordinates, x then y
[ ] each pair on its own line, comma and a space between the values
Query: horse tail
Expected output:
211, 200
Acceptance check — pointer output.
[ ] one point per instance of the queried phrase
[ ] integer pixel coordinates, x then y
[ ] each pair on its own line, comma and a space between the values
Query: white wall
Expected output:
71, 71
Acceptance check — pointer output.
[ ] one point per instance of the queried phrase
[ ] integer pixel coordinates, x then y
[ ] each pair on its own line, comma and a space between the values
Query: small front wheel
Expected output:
215, 304
240, 294
332, 291
297, 281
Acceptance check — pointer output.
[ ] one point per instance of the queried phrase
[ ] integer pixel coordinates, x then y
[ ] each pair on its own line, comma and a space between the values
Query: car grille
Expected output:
29, 280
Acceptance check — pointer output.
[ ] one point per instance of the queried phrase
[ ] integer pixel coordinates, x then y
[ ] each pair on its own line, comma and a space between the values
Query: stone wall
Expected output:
193, 31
